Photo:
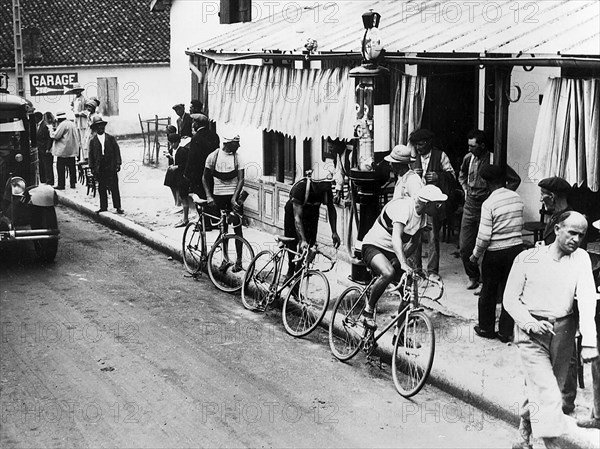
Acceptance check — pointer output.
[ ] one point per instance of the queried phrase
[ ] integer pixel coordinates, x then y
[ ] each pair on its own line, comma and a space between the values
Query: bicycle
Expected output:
306, 301
217, 262
414, 338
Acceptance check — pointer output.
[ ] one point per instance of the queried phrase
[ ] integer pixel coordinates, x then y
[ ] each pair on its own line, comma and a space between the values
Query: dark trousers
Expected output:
109, 181
494, 271
469, 226
62, 163
46, 168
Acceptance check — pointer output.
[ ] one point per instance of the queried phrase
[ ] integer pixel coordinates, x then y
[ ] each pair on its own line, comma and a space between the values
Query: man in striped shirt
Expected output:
499, 241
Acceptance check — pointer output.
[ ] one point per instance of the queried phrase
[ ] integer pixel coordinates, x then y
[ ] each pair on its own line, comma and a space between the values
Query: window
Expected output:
108, 94
234, 11
279, 153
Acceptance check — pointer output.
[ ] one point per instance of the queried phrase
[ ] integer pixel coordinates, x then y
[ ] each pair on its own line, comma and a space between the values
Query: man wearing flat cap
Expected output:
499, 241
408, 183
435, 169
184, 120
476, 192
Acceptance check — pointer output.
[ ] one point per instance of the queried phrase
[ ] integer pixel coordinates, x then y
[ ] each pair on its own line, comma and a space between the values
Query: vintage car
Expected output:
26, 207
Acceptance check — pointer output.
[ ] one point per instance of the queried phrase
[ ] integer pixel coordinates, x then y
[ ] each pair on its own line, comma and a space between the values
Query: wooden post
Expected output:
502, 91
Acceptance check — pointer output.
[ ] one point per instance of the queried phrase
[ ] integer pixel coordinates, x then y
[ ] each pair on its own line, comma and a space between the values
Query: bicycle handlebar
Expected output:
423, 275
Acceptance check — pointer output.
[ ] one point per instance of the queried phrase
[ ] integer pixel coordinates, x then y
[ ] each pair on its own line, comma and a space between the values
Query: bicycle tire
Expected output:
224, 276
305, 304
414, 350
191, 248
259, 280
345, 328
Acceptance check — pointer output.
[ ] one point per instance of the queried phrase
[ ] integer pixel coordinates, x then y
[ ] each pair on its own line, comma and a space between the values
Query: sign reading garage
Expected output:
52, 83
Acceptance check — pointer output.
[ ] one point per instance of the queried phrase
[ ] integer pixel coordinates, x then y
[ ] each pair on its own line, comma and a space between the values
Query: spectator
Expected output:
476, 192
78, 108
593, 422
540, 298
435, 168
499, 240
45, 122
177, 182
553, 193
105, 162
65, 148
203, 143
172, 145
90, 112
223, 182
408, 183
184, 121
196, 107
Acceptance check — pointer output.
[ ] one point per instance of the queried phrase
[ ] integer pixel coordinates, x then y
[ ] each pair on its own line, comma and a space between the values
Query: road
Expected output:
112, 346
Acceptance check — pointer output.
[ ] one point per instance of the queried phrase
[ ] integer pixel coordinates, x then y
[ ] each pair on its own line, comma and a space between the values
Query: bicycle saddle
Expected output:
283, 239
197, 200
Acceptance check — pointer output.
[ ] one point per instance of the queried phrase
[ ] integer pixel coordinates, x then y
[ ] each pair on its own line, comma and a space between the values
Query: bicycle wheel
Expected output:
413, 354
305, 304
346, 329
227, 261
259, 281
192, 248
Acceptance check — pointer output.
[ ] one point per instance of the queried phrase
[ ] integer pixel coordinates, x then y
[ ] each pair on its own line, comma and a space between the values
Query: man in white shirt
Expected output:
541, 288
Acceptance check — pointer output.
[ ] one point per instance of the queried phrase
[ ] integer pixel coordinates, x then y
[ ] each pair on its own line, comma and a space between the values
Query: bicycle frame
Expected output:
220, 223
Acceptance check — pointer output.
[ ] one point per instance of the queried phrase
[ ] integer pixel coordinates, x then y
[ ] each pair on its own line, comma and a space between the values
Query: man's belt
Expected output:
551, 320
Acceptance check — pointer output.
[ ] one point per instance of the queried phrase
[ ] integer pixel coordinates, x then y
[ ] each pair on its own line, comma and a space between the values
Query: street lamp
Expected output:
371, 131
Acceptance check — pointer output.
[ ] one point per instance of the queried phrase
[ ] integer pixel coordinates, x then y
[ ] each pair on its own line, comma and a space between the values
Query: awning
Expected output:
307, 103
567, 133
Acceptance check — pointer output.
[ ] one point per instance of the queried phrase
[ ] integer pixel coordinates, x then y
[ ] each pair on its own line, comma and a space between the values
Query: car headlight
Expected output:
19, 157
18, 186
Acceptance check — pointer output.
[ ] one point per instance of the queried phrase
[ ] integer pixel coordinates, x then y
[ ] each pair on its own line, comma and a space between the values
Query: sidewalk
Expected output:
481, 372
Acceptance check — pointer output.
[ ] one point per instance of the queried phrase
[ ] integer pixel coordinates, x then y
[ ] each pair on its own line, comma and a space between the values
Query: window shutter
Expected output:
108, 94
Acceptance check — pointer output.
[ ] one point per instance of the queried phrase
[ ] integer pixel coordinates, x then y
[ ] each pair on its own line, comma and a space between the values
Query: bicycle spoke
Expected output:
306, 304
346, 329
228, 259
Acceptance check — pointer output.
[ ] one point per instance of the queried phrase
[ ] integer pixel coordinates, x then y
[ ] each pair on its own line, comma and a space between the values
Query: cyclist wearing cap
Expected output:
301, 219
394, 237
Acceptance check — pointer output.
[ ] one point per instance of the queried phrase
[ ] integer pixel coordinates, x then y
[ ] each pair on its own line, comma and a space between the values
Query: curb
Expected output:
437, 379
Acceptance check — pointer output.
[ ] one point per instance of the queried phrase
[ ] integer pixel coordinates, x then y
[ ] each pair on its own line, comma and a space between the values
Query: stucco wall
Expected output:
140, 90
522, 120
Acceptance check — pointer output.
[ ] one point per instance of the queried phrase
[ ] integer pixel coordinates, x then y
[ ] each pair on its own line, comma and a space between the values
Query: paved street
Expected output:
113, 346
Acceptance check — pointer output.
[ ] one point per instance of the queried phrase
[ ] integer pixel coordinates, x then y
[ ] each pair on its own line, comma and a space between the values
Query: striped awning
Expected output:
307, 103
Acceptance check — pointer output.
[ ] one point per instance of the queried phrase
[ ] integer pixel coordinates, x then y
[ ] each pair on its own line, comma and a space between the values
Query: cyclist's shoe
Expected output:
225, 265
237, 267
369, 320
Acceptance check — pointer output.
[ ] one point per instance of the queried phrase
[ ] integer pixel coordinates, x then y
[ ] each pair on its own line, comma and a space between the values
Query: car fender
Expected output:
43, 195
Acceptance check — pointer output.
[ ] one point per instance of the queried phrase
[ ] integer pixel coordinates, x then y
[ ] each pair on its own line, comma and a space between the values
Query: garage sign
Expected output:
52, 83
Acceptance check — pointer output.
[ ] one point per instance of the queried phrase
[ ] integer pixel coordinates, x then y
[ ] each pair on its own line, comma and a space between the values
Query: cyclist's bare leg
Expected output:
383, 268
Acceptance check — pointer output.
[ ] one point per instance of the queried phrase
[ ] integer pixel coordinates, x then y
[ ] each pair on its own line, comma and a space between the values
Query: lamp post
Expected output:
372, 133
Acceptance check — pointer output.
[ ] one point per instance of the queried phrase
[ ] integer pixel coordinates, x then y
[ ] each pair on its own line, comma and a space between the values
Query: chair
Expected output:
536, 228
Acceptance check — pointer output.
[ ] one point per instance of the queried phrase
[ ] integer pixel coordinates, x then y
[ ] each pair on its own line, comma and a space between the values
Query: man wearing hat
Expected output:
65, 148
203, 143
499, 241
435, 169
78, 108
105, 162
553, 193
394, 237
184, 121
223, 182
408, 183
476, 192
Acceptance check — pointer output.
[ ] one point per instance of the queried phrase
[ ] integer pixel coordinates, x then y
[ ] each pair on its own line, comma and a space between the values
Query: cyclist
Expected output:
396, 235
301, 218
223, 182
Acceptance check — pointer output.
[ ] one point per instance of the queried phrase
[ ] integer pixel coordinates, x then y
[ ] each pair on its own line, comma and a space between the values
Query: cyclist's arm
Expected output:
207, 182
397, 232
239, 186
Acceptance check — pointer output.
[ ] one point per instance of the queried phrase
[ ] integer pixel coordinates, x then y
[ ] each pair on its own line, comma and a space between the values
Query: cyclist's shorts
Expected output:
370, 251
